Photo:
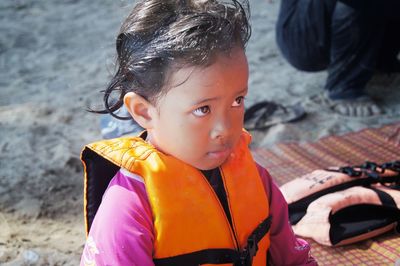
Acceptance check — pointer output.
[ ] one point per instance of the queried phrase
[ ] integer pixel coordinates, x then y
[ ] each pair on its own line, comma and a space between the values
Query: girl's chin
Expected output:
213, 162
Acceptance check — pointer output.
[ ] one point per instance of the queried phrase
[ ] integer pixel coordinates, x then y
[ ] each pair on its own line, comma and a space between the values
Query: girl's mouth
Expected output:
219, 154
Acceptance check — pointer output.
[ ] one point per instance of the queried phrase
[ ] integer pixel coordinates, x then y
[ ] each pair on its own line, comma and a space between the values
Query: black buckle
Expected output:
369, 166
246, 256
350, 171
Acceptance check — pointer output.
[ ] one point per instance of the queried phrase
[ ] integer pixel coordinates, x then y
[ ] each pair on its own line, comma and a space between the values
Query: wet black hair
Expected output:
161, 35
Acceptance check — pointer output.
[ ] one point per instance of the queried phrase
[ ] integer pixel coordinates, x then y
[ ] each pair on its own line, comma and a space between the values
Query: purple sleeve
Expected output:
286, 248
122, 230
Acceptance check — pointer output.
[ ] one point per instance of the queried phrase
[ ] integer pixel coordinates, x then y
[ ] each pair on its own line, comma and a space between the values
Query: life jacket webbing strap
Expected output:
373, 172
385, 198
246, 256
207, 256
221, 256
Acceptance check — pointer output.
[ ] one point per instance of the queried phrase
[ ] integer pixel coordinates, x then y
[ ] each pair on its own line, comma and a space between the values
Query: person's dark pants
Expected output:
343, 38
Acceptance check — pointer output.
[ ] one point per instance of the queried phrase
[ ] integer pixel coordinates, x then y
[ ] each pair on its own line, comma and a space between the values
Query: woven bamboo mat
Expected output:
290, 160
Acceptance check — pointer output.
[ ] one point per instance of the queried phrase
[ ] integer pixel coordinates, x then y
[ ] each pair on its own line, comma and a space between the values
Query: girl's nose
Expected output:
221, 129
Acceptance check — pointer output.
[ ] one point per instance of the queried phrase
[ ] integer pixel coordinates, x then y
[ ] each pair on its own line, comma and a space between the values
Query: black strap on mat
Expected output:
221, 256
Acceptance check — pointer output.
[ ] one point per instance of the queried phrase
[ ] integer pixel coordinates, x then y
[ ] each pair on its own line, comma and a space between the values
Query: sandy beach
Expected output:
55, 58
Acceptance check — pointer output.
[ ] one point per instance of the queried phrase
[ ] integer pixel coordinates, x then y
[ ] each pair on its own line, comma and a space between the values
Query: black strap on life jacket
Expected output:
221, 256
373, 172
385, 198
248, 253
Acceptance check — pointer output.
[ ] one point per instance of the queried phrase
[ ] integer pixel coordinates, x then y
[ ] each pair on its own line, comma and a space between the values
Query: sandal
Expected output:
265, 114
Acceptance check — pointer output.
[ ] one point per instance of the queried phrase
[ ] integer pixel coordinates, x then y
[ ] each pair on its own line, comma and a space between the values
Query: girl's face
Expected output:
200, 119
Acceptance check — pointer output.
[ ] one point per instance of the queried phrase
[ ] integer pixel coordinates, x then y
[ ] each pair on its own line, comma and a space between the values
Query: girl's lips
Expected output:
220, 153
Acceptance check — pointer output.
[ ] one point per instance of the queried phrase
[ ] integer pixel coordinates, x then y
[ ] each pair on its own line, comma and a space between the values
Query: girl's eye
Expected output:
238, 101
202, 111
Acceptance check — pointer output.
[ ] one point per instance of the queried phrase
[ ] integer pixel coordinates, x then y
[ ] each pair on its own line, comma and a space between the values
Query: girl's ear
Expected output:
139, 108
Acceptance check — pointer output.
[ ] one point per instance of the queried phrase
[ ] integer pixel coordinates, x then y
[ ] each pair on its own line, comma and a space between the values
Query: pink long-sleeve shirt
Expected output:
122, 231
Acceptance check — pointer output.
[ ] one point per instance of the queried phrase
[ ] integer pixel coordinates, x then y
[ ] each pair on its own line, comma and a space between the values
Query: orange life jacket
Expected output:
191, 227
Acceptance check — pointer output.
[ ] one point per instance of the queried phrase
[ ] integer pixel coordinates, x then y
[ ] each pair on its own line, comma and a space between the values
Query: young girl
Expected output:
186, 191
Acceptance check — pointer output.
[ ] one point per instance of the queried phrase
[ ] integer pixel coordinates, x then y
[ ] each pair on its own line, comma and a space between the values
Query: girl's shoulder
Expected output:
266, 179
123, 215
